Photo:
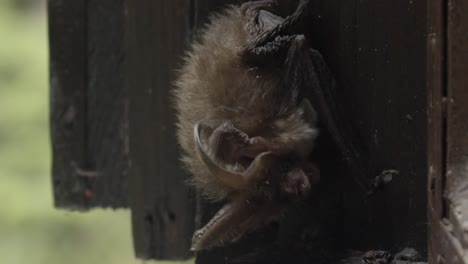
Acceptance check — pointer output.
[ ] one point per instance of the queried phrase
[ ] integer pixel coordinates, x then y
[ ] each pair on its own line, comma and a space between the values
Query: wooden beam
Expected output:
436, 150
67, 38
87, 104
457, 125
107, 100
163, 205
448, 172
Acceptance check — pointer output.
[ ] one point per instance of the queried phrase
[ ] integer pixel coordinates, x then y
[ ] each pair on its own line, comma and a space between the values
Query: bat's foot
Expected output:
381, 180
377, 257
291, 25
406, 256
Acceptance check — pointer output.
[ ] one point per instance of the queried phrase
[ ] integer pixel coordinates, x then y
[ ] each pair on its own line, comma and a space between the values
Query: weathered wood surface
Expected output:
382, 54
67, 28
376, 50
106, 103
457, 122
456, 173
87, 97
448, 173
163, 205
436, 42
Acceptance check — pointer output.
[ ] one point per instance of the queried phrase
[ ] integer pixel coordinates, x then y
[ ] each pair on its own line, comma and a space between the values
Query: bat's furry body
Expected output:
215, 86
246, 132
245, 122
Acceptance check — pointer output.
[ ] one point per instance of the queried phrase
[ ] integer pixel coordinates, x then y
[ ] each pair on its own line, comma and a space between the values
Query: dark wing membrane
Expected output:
306, 75
321, 90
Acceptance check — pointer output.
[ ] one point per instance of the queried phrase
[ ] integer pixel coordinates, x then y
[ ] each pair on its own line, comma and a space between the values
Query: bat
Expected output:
248, 99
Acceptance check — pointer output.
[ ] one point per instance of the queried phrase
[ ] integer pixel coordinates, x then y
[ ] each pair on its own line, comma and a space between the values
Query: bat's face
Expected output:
266, 171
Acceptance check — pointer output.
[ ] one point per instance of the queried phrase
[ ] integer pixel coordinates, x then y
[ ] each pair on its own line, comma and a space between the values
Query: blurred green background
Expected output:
31, 230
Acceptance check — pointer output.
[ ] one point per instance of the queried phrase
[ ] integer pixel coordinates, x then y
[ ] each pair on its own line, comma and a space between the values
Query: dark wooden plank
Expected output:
87, 104
67, 34
156, 34
436, 94
457, 116
106, 101
436, 91
448, 194
377, 51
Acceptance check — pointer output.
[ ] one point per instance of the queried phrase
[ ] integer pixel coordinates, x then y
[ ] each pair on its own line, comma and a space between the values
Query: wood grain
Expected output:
162, 203
87, 104
376, 50
106, 103
436, 91
457, 117
67, 37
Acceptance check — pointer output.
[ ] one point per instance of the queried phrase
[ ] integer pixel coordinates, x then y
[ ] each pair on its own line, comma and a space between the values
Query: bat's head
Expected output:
266, 170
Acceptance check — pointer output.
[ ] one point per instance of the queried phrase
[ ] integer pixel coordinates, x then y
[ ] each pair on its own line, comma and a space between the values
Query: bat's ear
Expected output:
234, 220
216, 147
231, 156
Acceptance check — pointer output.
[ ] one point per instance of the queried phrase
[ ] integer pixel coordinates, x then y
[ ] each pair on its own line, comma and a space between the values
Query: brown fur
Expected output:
214, 86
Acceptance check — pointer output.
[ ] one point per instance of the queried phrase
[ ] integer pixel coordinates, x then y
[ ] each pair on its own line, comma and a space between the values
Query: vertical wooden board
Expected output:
436, 89
87, 104
106, 102
436, 92
457, 117
67, 38
162, 202
376, 50
447, 42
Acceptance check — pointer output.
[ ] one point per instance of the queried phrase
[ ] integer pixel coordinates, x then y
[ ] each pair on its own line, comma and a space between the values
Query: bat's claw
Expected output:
377, 257
381, 180
407, 256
